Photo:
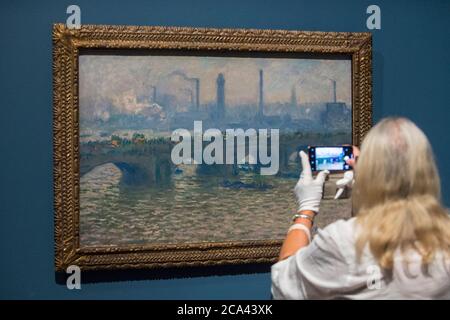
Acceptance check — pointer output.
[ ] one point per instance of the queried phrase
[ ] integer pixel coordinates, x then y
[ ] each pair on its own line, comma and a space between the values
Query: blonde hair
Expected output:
396, 196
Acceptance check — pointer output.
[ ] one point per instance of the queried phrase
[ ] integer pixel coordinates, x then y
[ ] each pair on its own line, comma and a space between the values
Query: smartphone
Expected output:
330, 158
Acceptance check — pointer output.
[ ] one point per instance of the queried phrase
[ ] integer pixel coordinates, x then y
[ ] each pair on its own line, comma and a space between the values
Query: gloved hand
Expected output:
308, 190
345, 182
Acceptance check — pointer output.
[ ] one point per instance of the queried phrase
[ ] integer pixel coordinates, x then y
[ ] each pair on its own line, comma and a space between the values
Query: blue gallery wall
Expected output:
411, 78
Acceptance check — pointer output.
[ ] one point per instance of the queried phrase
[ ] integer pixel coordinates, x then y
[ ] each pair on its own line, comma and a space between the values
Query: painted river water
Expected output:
193, 208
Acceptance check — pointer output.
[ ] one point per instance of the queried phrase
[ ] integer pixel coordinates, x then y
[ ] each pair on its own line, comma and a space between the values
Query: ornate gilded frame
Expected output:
66, 48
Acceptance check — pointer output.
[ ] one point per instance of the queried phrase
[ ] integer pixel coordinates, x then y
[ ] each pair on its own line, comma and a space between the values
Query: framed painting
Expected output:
179, 146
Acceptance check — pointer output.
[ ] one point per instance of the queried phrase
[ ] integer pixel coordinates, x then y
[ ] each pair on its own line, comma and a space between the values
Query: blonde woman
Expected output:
398, 244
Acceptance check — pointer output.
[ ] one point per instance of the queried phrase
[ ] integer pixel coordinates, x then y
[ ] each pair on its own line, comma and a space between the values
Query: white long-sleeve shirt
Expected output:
327, 269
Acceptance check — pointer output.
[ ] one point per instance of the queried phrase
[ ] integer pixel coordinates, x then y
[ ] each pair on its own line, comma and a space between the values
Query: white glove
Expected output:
308, 190
345, 182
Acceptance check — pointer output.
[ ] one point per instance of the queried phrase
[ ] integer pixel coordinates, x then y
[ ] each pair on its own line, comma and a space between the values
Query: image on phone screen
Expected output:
330, 158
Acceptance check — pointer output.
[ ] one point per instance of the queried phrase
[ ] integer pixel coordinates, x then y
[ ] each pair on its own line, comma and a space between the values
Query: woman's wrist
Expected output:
305, 217
310, 213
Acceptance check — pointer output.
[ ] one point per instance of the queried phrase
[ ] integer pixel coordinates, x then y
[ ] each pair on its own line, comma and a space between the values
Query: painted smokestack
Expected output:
154, 94
293, 97
220, 109
197, 94
334, 91
261, 95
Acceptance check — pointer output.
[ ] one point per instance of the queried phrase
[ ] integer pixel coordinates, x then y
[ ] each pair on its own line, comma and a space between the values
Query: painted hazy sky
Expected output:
121, 79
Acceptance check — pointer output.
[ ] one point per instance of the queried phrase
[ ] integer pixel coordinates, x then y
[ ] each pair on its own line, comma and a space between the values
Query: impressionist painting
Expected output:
131, 192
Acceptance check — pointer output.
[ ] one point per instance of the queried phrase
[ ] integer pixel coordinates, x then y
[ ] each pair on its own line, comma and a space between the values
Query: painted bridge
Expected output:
149, 163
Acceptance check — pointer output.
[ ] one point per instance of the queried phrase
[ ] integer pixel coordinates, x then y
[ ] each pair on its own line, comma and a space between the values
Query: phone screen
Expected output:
330, 158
